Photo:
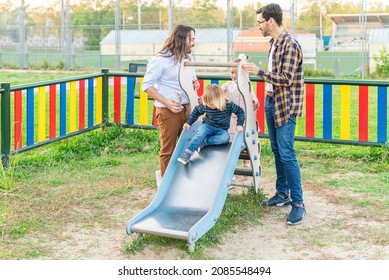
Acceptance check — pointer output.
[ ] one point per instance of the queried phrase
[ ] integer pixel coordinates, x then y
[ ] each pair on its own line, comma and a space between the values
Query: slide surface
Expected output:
191, 197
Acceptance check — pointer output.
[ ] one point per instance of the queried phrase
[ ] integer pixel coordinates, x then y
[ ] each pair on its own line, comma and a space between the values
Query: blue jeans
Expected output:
208, 135
282, 145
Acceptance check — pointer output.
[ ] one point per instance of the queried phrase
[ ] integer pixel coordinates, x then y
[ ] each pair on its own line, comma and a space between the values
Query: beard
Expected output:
189, 51
265, 33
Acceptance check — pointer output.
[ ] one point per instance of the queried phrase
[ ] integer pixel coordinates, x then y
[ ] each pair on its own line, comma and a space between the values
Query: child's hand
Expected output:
239, 128
186, 126
196, 84
255, 106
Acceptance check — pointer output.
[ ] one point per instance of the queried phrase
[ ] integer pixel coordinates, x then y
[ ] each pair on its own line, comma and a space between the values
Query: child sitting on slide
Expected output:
213, 130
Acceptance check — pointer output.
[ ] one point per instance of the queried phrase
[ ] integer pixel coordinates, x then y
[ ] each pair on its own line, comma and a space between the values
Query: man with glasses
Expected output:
284, 79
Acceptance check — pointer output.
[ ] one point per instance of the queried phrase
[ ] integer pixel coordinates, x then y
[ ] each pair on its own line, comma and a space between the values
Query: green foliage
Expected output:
347, 152
9, 66
308, 72
382, 60
45, 64
136, 246
108, 140
60, 65
106, 166
6, 179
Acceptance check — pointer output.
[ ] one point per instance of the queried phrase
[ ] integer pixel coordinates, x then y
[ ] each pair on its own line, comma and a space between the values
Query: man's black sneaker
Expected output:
277, 200
297, 214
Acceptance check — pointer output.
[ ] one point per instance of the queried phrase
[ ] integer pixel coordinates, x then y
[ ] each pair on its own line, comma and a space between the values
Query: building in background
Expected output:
346, 30
141, 45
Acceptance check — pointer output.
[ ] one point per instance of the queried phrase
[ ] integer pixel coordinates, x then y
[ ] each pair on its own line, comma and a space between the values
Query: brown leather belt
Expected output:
269, 93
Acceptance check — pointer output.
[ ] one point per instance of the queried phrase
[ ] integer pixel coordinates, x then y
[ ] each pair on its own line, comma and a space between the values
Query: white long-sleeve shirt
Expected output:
163, 73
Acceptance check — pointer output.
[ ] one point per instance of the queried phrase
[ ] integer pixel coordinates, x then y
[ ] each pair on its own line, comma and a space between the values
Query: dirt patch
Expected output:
329, 231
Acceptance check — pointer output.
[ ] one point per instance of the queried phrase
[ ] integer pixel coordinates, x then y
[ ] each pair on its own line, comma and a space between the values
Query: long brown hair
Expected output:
176, 42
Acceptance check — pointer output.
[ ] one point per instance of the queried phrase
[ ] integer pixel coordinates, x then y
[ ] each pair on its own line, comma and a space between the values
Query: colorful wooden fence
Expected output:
351, 112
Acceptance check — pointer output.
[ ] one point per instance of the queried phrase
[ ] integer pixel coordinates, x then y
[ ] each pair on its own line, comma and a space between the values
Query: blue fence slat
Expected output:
130, 100
382, 115
62, 109
327, 111
30, 116
91, 106
215, 82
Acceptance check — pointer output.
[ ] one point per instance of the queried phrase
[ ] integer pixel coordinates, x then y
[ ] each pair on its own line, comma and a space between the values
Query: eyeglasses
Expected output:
260, 22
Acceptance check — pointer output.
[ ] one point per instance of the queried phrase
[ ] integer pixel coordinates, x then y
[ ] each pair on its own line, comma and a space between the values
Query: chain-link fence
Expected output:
43, 48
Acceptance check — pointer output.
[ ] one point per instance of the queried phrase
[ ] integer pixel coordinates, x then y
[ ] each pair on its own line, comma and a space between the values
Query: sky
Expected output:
285, 4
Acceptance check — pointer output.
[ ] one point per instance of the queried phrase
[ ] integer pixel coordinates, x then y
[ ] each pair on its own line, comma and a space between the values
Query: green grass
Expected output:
81, 179
27, 77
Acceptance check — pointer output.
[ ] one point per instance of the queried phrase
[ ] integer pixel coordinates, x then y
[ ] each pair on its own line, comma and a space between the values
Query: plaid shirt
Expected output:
287, 78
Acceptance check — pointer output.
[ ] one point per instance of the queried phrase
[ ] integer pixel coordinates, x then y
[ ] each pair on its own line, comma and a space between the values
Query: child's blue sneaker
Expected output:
185, 157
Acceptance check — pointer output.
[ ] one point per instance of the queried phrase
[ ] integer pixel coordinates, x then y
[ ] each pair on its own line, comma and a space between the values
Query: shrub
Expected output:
382, 59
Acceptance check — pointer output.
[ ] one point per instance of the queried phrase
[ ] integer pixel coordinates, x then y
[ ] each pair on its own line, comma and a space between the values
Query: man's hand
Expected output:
172, 106
250, 68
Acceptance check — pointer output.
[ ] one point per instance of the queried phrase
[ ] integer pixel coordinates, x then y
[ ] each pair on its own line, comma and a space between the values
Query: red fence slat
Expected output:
261, 109
363, 113
310, 111
117, 99
18, 119
81, 105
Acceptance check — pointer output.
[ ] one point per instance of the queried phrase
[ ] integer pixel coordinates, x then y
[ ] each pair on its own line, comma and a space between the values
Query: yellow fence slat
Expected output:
143, 104
41, 113
72, 107
345, 112
99, 101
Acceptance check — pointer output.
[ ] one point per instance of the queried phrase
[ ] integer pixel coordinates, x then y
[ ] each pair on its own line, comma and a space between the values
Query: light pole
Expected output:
293, 8
139, 16
229, 30
66, 35
321, 10
69, 41
117, 35
171, 14
362, 44
22, 36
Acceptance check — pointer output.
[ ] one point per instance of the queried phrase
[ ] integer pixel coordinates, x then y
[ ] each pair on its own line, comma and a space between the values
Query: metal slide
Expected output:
191, 197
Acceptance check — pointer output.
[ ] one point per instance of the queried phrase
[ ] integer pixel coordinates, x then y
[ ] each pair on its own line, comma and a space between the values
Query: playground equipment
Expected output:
191, 197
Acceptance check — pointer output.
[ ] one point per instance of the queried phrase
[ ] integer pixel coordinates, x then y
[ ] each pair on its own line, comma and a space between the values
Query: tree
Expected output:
94, 18
309, 19
245, 17
8, 16
208, 14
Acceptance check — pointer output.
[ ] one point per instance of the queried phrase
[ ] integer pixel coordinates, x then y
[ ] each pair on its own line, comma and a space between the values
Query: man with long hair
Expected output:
161, 82
284, 77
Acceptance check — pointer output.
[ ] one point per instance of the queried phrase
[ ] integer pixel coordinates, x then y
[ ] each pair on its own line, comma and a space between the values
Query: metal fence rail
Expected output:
32, 115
